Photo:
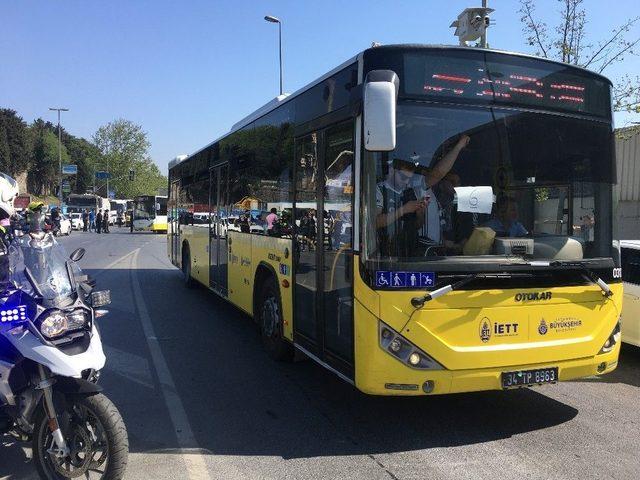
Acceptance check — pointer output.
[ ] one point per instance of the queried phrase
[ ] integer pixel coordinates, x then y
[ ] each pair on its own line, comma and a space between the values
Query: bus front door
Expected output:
323, 298
218, 241
174, 223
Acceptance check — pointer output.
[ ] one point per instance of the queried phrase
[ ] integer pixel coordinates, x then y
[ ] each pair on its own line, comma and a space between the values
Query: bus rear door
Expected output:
173, 223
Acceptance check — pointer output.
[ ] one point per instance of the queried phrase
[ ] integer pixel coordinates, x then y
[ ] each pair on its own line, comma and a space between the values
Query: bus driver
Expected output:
405, 202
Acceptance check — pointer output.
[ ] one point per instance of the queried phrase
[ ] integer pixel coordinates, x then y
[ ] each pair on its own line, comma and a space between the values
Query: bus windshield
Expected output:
149, 207
547, 177
144, 208
78, 203
120, 208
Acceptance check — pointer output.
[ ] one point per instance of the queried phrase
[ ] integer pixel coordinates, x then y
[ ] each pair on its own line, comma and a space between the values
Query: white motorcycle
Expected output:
50, 358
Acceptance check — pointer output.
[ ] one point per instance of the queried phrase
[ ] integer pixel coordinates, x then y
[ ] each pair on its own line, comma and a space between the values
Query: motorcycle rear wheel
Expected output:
96, 435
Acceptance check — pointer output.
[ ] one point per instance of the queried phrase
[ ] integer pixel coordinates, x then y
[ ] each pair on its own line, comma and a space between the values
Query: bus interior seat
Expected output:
480, 242
557, 247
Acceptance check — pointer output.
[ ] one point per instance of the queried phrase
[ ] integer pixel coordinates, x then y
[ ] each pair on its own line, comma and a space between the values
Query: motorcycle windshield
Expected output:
46, 261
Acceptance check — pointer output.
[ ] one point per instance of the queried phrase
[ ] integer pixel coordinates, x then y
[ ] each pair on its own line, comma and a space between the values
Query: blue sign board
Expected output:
112, 194
391, 279
70, 169
103, 175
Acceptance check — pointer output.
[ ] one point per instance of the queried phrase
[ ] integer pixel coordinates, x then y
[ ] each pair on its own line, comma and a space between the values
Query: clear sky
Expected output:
187, 70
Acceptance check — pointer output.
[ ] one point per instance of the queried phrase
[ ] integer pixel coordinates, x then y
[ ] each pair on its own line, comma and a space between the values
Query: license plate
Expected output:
523, 378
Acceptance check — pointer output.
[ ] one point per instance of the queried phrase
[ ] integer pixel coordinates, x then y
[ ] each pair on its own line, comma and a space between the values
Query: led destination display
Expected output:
489, 78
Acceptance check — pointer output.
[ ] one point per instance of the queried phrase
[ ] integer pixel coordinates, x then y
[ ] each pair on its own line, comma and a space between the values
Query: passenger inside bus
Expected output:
456, 226
406, 203
505, 222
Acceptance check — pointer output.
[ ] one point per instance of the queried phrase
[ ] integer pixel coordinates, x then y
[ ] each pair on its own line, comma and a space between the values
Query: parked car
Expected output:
233, 224
201, 218
631, 279
76, 221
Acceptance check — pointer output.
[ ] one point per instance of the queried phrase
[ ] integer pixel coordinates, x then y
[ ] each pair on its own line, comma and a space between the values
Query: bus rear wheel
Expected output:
271, 324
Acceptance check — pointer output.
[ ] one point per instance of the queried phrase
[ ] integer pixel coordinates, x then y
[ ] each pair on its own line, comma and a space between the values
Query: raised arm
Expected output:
446, 163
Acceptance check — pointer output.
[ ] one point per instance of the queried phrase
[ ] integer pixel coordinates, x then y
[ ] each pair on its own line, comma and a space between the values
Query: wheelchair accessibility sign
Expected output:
390, 279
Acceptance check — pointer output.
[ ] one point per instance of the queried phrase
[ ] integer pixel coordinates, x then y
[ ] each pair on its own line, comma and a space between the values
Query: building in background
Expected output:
627, 191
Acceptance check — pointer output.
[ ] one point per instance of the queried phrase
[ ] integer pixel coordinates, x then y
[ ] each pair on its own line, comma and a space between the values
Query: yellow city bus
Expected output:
149, 213
420, 220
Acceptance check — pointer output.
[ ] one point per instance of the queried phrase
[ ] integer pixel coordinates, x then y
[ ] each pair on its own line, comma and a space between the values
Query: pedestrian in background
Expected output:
99, 221
92, 221
272, 219
105, 221
337, 230
85, 220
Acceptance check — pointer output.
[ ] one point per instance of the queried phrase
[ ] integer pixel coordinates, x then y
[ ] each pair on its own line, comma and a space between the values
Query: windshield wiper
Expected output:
418, 302
587, 272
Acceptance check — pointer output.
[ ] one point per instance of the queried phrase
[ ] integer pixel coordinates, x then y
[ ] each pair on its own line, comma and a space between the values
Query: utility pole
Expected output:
107, 195
483, 38
59, 151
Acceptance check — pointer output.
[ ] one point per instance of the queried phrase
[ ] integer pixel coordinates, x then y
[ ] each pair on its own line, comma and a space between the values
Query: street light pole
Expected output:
107, 196
272, 19
59, 151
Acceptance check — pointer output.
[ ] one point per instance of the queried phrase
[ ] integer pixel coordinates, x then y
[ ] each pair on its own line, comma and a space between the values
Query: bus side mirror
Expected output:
380, 95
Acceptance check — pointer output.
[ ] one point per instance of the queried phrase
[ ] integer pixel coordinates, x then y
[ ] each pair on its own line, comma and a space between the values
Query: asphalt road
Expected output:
201, 400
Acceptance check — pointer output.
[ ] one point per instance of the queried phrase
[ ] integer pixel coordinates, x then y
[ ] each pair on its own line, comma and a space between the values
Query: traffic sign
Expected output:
70, 169
102, 175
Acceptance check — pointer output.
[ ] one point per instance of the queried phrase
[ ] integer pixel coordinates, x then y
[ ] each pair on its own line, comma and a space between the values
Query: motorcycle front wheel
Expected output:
96, 436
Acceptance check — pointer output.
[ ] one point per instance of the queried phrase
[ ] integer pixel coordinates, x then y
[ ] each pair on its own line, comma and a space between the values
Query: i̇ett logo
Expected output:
485, 330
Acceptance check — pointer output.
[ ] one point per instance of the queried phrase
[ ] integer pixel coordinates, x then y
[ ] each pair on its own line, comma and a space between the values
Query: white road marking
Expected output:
194, 461
115, 262
130, 366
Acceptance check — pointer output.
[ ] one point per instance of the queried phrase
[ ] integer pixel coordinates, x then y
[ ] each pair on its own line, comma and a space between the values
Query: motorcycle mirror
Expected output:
77, 254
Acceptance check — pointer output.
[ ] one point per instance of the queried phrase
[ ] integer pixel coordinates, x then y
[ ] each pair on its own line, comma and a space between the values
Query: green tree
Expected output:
148, 179
568, 41
82, 153
14, 143
124, 146
86, 156
44, 168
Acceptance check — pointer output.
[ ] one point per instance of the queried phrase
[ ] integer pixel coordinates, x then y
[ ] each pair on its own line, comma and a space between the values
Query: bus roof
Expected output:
492, 50
281, 99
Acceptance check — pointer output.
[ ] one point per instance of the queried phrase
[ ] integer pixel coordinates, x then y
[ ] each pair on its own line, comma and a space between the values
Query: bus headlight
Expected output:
612, 340
403, 350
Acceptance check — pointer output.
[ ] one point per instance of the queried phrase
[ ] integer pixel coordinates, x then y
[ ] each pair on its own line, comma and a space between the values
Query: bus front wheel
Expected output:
271, 325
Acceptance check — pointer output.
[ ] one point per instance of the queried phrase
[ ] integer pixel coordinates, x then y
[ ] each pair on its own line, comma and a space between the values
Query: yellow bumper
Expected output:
378, 373
159, 227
